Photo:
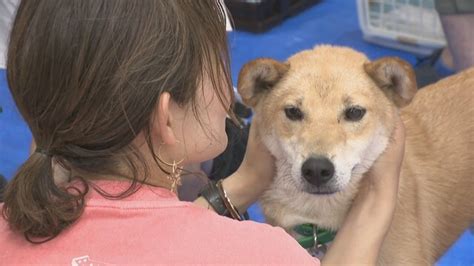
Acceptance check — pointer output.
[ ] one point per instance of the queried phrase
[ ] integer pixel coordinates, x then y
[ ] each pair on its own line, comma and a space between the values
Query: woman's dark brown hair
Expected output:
86, 76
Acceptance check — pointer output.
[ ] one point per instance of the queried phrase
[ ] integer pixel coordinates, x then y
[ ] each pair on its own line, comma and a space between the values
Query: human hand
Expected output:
255, 173
381, 181
258, 164
360, 238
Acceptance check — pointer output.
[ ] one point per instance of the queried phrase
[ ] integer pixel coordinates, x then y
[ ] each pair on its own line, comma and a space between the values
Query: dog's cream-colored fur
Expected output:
436, 194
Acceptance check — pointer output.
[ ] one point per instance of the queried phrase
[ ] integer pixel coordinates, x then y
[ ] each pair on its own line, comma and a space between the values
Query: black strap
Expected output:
212, 195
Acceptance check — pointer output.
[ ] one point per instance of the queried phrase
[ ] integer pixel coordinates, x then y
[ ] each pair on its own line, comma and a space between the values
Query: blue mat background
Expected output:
329, 22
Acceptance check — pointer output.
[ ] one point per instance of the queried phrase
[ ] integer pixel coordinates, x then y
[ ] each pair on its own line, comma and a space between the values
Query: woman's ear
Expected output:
163, 123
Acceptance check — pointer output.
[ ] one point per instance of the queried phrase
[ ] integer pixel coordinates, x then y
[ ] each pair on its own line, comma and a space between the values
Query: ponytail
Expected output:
35, 206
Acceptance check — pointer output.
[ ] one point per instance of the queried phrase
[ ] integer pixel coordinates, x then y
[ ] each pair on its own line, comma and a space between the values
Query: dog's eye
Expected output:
354, 113
293, 113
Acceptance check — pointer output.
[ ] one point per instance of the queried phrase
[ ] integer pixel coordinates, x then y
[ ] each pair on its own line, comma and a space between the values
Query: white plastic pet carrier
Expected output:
410, 25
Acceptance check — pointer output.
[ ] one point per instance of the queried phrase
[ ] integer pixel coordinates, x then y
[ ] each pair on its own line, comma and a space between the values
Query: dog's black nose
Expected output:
317, 170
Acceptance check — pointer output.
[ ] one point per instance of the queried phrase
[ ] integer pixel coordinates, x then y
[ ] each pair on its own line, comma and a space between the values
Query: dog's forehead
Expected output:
328, 62
328, 55
326, 71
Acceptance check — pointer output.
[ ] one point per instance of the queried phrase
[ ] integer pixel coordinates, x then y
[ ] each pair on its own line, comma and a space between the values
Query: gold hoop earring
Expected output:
175, 175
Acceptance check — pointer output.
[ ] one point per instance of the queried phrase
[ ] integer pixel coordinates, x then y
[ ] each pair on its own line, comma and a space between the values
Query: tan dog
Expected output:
326, 114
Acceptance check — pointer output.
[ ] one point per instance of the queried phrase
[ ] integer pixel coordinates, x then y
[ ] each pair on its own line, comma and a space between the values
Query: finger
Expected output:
396, 148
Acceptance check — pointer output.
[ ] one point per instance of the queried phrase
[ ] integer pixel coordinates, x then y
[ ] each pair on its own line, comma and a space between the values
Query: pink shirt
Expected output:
153, 227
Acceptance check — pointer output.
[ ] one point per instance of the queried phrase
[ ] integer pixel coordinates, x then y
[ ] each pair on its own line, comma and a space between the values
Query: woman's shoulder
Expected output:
184, 226
246, 241
170, 234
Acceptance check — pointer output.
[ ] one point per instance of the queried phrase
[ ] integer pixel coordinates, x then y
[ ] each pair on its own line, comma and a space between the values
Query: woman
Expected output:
121, 95
457, 18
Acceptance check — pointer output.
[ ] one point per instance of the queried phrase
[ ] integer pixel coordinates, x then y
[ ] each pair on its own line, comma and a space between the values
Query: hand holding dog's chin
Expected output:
378, 191
258, 163
254, 175
381, 182
361, 236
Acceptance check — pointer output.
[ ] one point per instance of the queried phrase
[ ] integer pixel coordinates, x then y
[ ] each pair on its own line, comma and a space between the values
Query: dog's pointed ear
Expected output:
395, 77
258, 77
